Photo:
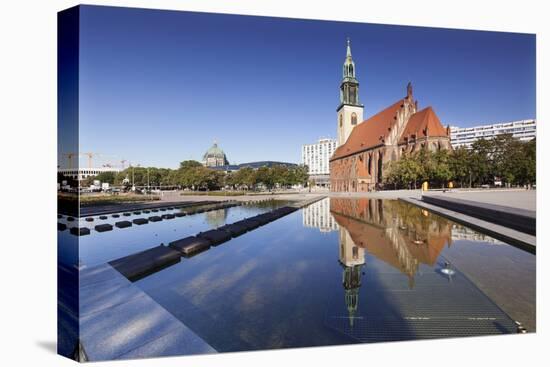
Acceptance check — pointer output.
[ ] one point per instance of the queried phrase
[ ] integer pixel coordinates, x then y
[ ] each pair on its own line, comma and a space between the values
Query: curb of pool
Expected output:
515, 238
111, 308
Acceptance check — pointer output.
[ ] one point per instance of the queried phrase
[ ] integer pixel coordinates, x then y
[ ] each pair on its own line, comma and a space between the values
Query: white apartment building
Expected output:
465, 136
316, 156
83, 173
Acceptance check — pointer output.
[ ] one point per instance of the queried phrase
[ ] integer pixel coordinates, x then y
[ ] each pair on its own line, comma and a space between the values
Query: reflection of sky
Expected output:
97, 248
281, 286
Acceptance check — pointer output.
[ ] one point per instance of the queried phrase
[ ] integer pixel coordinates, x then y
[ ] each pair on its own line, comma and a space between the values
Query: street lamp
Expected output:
148, 185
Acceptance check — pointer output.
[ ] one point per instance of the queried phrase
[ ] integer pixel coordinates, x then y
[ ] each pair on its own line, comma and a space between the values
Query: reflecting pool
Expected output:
344, 271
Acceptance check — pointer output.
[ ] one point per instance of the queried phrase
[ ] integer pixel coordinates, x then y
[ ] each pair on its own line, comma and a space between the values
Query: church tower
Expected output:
350, 111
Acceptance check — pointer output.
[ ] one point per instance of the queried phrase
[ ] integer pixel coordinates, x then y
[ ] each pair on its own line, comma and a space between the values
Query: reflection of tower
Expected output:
352, 259
216, 218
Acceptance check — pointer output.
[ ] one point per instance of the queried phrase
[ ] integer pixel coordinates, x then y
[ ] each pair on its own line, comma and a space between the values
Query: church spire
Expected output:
350, 110
349, 65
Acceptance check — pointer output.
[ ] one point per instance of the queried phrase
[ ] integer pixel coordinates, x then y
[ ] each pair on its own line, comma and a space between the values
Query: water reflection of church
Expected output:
384, 229
410, 241
391, 233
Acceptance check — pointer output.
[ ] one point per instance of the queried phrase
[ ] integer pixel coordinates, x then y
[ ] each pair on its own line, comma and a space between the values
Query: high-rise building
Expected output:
464, 136
316, 156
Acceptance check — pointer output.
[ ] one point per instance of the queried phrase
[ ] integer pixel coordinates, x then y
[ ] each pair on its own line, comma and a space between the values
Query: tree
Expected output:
481, 161
265, 176
459, 164
300, 175
189, 164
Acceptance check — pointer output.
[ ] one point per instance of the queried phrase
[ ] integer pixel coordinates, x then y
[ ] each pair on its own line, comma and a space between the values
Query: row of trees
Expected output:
193, 175
503, 157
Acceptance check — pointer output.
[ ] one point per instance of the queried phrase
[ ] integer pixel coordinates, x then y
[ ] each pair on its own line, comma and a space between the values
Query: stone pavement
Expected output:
521, 199
119, 321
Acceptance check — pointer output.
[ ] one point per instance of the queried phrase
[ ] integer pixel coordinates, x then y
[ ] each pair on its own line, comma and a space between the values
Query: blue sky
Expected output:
157, 87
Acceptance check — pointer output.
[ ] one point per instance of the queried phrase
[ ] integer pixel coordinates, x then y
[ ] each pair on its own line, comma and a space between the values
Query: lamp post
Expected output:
148, 185
133, 182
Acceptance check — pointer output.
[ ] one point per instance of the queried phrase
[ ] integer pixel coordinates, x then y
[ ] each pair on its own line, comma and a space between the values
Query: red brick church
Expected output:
365, 148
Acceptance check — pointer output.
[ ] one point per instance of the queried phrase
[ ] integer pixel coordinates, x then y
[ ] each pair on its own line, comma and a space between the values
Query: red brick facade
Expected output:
359, 164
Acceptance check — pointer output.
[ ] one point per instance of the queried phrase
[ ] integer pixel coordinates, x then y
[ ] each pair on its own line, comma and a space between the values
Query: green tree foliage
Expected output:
194, 176
503, 157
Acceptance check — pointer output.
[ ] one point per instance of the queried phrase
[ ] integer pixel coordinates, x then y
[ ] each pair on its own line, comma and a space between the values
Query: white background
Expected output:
28, 164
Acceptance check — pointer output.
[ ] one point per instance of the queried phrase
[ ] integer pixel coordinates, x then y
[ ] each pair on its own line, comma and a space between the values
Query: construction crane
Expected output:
90, 156
70, 157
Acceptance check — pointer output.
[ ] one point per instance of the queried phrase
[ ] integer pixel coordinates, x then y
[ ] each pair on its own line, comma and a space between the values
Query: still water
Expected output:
98, 248
342, 271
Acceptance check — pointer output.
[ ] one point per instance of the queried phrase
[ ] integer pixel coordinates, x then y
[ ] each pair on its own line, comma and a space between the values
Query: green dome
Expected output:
214, 151
214, 157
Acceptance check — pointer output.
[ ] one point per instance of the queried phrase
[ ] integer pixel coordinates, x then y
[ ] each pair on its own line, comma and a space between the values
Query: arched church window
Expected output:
351, 70
340, 120
355, 252
369, 164
354, 118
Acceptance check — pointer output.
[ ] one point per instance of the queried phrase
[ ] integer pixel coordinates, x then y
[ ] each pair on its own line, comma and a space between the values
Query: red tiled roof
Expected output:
423, 123
367, 134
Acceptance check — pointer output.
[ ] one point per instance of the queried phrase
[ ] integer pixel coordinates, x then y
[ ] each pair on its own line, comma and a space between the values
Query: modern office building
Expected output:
316, 156
464, 136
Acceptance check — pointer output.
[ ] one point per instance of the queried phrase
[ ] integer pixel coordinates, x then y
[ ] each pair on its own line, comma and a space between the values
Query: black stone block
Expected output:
126, 214
146, 262
215, 236
103, 227
102, 217
123, 224
140, 221
180, 214
61, 226
154, 218
116, 215
248, 224
70, 219
190, 245
234, 229
168, 216
82, 231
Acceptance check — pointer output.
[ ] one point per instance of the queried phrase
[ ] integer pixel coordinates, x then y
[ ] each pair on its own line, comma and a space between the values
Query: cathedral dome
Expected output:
214, 157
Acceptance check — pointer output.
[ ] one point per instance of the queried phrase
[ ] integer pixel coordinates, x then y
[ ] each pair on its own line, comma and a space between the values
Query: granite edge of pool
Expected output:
120, 321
